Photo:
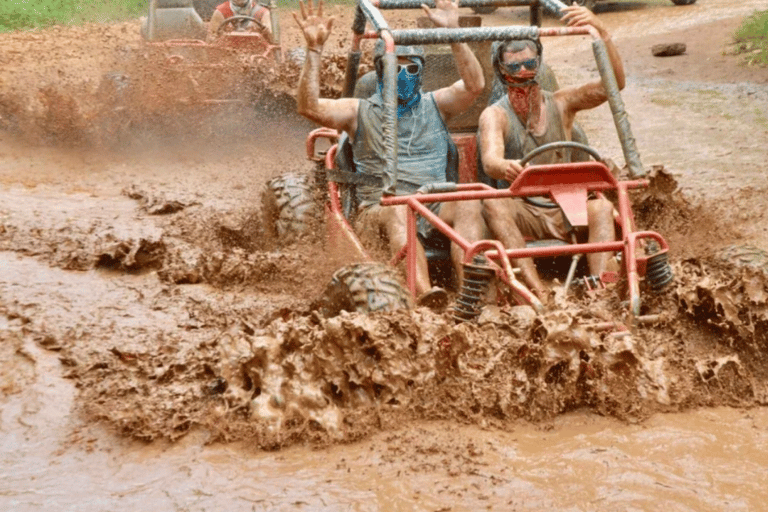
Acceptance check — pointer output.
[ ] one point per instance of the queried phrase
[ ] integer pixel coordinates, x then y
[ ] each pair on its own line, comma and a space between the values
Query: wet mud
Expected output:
134, 263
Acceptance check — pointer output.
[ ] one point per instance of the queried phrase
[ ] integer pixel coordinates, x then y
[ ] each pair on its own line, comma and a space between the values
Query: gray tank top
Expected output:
422, 147
520, 141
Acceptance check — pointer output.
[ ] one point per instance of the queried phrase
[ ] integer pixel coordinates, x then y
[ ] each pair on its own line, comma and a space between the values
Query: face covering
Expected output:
245, 10
408, 90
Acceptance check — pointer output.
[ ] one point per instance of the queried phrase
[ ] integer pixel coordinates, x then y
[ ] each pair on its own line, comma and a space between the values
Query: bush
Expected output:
752, 39
25, 14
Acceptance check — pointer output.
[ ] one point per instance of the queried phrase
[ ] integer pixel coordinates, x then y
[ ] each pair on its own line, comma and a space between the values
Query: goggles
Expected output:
411, 69
513, 68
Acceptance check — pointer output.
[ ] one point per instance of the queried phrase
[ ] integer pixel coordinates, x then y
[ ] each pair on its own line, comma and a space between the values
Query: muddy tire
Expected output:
289, 208
205, 8
589, 4
363, 288
683, 2
739, 256
485, 10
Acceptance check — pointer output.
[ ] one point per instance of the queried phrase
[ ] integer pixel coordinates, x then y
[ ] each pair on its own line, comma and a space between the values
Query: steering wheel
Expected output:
552, 146
241, 21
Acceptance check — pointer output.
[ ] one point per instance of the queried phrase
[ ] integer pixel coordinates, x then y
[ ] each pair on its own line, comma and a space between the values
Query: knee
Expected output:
600, 207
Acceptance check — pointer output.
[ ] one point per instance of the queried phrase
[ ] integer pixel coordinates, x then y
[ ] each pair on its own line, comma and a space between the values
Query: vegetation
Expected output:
751, 39
25, 14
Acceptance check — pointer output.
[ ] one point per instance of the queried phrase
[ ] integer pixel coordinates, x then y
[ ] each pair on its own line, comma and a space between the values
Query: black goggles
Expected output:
514, 67
411, 69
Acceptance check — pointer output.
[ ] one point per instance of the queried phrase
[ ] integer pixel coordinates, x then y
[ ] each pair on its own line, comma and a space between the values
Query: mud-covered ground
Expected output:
132, 251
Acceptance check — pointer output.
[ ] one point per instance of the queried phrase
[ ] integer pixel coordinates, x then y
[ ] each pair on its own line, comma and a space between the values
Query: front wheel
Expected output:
363, 288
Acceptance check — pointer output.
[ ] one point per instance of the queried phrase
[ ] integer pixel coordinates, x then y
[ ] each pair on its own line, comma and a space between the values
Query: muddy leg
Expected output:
393, 220
500, 217
466, 217
601, 229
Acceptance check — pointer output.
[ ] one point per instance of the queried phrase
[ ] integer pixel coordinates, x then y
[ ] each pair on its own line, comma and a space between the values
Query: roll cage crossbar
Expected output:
369, 12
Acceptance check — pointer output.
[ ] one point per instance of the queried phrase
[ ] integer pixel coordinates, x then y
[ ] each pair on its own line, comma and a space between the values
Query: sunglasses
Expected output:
411, 69
514, 67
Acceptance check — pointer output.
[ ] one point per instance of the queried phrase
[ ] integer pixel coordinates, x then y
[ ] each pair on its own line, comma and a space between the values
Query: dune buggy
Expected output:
370, 286
203, 71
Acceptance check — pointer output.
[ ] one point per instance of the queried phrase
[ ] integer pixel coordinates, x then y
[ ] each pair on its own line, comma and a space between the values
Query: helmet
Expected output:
412, 52
499, 48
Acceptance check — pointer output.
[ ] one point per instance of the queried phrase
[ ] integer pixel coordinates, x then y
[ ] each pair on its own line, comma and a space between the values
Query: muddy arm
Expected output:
592, 94
338, 114
458, 97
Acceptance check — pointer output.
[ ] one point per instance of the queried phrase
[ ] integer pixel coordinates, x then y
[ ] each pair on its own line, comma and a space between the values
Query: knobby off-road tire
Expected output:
364, 288
289, 207
589, 4
205, 8
739, 256
484, 10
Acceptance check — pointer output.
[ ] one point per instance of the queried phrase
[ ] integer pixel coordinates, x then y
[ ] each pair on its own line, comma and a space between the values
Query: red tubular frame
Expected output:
534, 180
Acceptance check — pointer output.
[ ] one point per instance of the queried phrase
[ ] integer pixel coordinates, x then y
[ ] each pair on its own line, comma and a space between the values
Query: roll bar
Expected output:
368, 12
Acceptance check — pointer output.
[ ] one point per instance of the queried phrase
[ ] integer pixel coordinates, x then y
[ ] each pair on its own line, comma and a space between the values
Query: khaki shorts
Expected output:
538, 223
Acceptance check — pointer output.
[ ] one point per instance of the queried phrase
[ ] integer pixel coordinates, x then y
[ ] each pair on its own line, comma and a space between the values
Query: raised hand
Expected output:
315, 27
446, 13
579, 16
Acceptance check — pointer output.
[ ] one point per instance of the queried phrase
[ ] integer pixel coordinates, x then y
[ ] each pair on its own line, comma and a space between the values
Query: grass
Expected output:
27, 14
751, 39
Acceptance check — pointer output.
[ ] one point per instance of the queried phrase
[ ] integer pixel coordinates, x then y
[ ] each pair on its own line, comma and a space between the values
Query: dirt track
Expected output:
130, 255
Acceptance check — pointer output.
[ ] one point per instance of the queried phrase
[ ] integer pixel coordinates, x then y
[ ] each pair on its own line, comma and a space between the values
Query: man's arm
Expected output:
458, 97
213, 25
339, 114
592, 94
266, 20
491, 132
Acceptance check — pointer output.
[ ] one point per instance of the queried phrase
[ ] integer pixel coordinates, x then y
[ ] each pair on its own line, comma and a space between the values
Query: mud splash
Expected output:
277, 376
126, 90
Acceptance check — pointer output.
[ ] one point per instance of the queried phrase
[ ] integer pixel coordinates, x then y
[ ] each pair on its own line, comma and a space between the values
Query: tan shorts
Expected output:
538, 223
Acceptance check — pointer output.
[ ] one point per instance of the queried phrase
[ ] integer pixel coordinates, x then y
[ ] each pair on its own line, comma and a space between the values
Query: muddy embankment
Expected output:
211, 325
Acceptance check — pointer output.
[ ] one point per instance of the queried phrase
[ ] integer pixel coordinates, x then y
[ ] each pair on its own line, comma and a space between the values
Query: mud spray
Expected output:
243, 355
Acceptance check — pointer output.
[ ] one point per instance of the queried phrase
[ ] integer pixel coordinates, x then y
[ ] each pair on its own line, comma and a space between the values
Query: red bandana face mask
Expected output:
521, 99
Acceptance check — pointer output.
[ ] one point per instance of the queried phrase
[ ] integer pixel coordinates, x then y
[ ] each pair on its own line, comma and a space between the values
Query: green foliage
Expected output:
25, 14
752, 39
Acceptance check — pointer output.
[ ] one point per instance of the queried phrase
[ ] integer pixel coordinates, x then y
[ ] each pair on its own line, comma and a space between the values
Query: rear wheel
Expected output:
288, 206
205, 8
485, 9
589, 4
364, 288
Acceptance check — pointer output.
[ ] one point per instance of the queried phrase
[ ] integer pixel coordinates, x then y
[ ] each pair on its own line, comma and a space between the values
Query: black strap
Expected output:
356, 178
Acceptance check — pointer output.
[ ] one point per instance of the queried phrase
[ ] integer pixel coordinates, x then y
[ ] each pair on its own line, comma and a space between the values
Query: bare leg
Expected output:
393, 219
500, 217
601, 229
466, 217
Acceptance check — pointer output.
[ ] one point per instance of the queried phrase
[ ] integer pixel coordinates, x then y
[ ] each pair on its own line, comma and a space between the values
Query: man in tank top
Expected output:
421, 133
250, 8
528, 117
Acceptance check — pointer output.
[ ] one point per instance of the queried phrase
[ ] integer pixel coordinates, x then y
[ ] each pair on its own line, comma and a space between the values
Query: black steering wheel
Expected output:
552, 146
241, 21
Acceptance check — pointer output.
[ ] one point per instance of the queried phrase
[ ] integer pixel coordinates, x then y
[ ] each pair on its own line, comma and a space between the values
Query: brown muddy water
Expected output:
709, 459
